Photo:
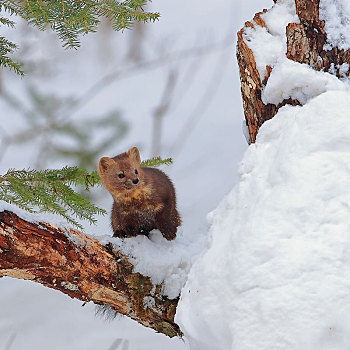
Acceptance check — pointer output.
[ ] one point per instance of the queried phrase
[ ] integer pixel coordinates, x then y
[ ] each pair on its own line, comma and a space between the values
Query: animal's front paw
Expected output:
169, 234
120, 234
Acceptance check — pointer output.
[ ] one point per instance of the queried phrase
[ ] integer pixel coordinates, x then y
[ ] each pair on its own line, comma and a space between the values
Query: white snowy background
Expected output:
274, 273
204, 170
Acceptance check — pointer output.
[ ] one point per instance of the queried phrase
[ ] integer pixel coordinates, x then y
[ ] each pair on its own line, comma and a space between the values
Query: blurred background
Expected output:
170, 88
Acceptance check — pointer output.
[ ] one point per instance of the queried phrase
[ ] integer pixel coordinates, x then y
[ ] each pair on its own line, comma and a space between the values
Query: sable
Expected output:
144, 198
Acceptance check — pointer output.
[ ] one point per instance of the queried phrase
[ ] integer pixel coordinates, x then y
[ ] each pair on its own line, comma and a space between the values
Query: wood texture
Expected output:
305, 41
81, 267
305, 44
255, 111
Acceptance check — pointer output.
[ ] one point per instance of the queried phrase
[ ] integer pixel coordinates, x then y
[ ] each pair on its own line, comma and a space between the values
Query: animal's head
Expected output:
121, 173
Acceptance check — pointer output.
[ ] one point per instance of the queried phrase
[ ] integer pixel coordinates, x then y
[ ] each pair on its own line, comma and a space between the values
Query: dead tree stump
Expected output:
305, 44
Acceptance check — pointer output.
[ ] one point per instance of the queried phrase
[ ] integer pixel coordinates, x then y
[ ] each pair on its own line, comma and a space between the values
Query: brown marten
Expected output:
144, 198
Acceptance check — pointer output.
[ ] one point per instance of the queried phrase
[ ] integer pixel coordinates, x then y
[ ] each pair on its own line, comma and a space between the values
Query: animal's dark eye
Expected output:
121, 175
136, 172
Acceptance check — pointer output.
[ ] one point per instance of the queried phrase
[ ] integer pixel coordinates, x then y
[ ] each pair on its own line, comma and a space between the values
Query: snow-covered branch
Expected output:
83, 268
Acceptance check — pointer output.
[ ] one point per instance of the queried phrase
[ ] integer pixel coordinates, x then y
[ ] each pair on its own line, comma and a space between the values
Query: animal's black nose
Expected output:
135, 181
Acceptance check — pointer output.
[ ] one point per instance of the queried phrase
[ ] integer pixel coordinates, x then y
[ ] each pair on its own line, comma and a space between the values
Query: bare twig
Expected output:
10, 342
201, 106
134, 69
161, 110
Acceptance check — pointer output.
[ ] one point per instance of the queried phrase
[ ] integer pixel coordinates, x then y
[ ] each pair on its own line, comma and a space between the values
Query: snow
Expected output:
343, 69
204, 169
276, 270
36, 218
164, 261
277, 273
298, 81
290, 79
269, 44
336, 15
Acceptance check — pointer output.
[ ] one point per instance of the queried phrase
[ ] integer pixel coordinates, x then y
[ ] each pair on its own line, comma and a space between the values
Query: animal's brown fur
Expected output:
144, 198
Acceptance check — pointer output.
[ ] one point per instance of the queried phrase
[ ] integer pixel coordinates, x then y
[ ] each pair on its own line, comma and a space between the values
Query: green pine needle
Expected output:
51, 191
156, 161
7, 47
71, 18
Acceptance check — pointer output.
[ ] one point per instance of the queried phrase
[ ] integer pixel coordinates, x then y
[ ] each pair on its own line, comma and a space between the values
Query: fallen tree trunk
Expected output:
81, 267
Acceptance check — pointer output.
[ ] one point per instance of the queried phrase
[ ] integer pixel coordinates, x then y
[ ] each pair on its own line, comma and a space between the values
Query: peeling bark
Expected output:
305, 44
310, 40
81, 267
255, 111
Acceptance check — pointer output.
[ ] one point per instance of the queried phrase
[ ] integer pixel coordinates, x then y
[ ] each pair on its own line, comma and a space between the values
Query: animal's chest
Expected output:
142, 203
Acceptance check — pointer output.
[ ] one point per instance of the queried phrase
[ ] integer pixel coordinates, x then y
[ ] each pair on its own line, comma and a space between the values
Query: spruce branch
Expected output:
6, 48
51, 190
7, 22
156, 161
12, 7
71, 18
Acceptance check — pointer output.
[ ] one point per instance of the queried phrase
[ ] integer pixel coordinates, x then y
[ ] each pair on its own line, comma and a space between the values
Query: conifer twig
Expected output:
156, 161
51, 191
70, 18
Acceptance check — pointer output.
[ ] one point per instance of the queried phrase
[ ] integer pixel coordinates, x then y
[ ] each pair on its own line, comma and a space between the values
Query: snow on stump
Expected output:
311, 35
276, 272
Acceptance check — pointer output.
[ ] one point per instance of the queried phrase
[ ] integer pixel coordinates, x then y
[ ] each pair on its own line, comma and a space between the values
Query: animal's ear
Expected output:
104, 164
134, 154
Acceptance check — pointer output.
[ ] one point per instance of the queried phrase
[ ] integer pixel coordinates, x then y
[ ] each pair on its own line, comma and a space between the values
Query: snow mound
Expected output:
298, 81
336, 15
164, 261
277, 273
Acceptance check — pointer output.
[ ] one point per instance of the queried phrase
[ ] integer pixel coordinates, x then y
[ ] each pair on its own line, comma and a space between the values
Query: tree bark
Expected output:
305, 44
81, 267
